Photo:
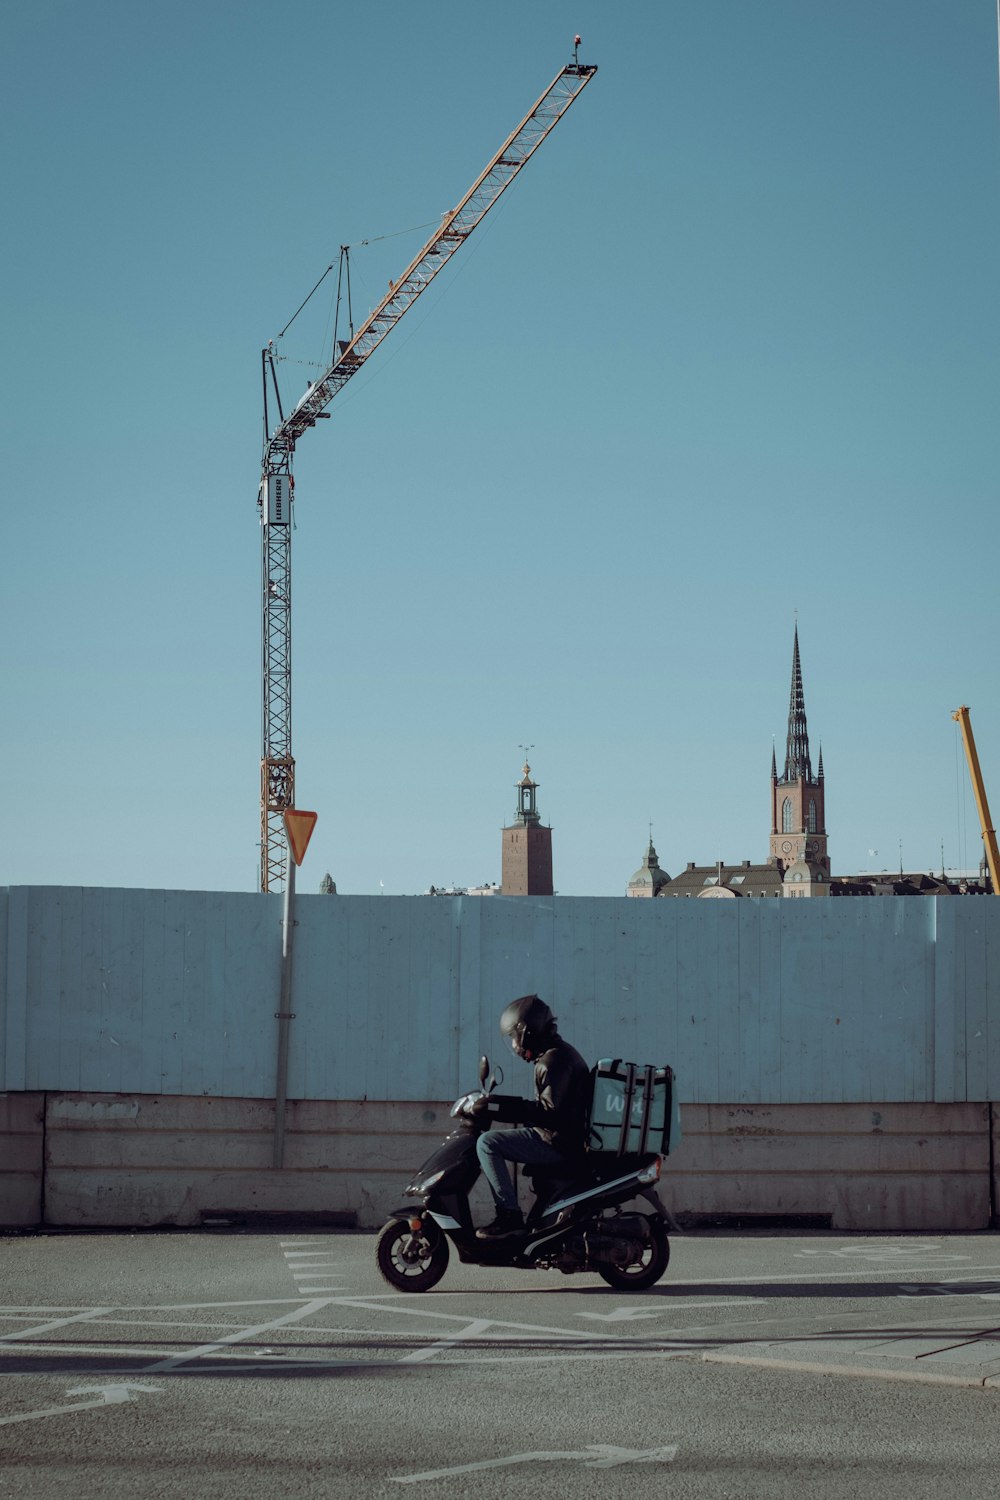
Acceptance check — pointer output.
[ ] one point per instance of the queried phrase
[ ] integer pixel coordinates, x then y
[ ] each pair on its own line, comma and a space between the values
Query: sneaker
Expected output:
509, 1221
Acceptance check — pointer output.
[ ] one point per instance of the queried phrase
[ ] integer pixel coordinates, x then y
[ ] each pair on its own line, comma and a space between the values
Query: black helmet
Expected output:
528, 1024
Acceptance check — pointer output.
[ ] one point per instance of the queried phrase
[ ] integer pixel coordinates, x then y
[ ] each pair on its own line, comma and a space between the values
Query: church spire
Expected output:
797, 762
798, 816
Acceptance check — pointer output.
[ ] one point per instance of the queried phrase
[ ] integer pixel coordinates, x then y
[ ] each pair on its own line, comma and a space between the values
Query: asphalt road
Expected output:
209, 1365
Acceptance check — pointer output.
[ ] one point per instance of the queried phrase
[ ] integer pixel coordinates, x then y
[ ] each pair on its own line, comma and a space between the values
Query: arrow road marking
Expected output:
632, 1314
594, 1456
627, 1314
107, 1395
950, 1289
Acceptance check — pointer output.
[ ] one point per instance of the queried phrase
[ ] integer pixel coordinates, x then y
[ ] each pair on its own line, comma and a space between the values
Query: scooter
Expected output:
576, 1223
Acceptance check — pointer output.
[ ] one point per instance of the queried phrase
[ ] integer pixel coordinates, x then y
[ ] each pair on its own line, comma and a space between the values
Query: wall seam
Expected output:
45, 1159
994, 1207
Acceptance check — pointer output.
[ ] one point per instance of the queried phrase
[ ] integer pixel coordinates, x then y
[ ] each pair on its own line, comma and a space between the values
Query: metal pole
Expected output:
284, 1014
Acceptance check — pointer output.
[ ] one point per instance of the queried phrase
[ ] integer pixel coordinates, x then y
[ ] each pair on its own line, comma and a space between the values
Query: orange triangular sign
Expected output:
299, 826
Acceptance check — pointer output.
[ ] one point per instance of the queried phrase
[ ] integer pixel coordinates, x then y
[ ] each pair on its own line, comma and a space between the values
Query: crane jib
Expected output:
454, 229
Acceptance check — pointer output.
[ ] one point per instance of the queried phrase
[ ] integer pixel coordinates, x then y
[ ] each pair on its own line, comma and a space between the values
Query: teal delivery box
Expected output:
633, 1109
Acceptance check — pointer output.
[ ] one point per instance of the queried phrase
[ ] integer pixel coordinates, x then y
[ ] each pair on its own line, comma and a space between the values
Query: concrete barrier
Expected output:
22, 1138
155, 1159
917, 1167
144, 1160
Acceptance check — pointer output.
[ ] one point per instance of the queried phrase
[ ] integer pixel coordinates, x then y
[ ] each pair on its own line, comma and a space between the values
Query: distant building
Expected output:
799, 864
526, 864
649, 879
914, 883
463, 890
726, 880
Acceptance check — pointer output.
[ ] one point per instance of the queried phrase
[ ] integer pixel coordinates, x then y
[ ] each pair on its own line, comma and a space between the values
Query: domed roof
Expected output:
801, 871
649, 875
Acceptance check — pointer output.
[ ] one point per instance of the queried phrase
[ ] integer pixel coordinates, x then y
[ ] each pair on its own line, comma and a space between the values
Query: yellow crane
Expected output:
982, 806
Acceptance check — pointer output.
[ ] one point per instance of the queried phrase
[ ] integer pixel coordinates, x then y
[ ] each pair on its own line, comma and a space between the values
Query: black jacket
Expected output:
562, 1097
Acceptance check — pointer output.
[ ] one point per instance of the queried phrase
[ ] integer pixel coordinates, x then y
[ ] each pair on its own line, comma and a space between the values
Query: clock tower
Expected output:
526, 867
798, 815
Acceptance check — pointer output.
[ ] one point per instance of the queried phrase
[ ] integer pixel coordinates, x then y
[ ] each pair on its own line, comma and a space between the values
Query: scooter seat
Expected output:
548, 1184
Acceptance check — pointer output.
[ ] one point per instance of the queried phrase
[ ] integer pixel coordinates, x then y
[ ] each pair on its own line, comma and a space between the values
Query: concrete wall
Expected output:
901, 1166
143, 1022
22, 1142
756, 1002
149, 1160
166, 1160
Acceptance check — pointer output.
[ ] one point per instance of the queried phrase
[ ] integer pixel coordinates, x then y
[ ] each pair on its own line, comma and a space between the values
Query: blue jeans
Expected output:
495, 1148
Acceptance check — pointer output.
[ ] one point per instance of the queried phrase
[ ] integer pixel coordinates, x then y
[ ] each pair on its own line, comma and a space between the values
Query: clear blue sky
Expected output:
729, 348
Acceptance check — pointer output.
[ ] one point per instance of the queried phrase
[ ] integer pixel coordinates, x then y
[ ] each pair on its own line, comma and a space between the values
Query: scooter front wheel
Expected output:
411, 1260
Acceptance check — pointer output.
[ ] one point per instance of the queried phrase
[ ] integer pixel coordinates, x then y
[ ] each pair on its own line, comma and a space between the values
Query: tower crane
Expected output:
276, 494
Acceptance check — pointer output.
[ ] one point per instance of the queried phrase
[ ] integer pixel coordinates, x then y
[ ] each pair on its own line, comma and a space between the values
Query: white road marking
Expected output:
594, 1456
627, 1314
107, 1395
635, 1314
164, 1306
29, 1333
315, 1261
113, 1394
963, 1288
123, 1351
144, 1323
881, 1252
295, 1316
373, 1304
476, 1329
869, 1274
499, 1340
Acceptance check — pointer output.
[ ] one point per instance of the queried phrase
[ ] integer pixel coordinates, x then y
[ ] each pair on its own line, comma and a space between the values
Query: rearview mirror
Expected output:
484, 1069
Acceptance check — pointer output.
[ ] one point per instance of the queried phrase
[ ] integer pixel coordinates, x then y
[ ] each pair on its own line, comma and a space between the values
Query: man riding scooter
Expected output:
553, 1127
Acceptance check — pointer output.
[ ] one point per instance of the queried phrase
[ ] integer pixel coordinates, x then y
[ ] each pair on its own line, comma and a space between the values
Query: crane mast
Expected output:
277, 486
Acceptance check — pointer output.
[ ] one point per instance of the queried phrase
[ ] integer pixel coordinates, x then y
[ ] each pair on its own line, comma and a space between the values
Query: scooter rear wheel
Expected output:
645, 1272
411, 1260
